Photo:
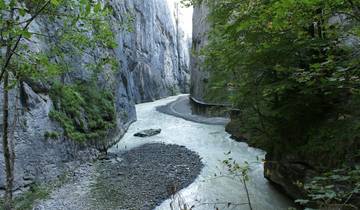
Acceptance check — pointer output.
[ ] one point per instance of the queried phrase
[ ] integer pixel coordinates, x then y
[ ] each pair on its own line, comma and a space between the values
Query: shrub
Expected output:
84, 111
292, 74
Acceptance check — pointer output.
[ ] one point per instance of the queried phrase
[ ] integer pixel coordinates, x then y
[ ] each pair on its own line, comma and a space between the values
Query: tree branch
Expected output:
11, 53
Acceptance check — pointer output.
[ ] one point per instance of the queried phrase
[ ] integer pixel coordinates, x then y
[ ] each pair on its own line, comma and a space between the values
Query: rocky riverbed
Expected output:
141, 173
141, 178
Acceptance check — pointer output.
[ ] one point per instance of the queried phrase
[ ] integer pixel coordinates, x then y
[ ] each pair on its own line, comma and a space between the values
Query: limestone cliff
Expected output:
154, 63
199, 75
203, 101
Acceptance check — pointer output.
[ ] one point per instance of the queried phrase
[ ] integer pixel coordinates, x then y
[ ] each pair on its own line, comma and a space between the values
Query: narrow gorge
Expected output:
179, 105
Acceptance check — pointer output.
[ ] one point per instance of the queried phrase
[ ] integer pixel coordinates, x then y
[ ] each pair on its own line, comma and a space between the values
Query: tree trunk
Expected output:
6, 148
247, 193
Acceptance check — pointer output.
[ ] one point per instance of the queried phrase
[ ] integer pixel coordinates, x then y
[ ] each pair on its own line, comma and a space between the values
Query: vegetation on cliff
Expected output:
85, 113
30, 53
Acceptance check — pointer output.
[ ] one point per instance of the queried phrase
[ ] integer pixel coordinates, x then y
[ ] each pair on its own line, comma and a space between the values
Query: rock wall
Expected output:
199, 75
156, 54
154, 60
202, 103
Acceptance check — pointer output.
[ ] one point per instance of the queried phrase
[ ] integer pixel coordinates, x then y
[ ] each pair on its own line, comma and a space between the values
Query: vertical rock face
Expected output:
154, 63
203, 102
156, 54
199, 75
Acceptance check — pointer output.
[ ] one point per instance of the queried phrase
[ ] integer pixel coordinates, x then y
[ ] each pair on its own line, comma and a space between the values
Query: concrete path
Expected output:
182, 108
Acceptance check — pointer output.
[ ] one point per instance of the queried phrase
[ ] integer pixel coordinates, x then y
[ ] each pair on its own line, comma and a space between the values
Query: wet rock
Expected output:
234, 128
148, 133
287, 174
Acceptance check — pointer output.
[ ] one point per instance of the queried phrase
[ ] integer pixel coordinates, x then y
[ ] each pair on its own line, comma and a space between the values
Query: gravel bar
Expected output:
138, 179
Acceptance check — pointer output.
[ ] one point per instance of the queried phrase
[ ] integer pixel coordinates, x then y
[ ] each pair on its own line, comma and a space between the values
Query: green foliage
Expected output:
337, 186
82, 30
26, 200
174, 90
237, 170
67, 30
293, 68
51, 135
84, 112
292, 72
189, 3
82, 27
36, 192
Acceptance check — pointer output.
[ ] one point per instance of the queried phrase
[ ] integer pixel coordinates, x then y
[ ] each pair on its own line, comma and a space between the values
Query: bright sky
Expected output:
185, 16
187, 20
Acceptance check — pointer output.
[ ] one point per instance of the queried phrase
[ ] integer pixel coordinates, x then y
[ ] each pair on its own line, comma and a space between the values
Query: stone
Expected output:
287, 173
234, 128
140, 183
148, 133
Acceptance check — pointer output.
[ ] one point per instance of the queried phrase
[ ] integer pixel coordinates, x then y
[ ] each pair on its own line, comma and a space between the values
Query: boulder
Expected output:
148, 133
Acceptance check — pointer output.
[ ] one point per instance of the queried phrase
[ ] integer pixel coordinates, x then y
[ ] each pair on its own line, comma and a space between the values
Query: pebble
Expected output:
144, 178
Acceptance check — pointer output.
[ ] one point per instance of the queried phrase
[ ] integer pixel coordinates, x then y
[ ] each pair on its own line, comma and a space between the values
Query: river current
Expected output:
215, 187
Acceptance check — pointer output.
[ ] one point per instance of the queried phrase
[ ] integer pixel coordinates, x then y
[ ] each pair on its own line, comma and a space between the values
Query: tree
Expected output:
292, 65
82, 26
294, 68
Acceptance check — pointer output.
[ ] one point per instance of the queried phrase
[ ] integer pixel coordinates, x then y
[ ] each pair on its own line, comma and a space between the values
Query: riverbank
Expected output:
141, 178
95, 184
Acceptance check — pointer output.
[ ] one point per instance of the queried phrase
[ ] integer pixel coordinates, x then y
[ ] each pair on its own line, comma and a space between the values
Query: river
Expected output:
213, 145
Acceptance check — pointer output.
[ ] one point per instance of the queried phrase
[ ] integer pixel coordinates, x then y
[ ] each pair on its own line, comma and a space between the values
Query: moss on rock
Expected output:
84, 111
